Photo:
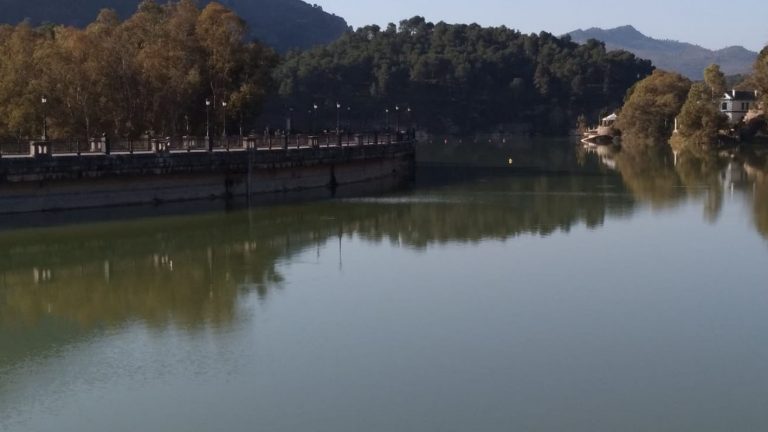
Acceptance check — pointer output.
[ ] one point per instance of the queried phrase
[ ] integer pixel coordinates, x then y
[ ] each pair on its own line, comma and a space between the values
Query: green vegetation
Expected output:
760, 75
656, 103
714, 78
700, 121
152, 72
652, 105
458, 77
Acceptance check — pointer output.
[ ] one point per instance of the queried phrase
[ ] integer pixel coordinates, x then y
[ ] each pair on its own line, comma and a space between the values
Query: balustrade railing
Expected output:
101, 146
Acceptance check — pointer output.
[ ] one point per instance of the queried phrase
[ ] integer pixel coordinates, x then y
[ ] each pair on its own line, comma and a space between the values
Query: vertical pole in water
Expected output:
341, 262
250, 171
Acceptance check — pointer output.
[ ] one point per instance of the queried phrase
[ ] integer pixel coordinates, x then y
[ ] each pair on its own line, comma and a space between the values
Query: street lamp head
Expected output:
314, 106
44, 99
224, 104
338, 105
207, 102
397, 108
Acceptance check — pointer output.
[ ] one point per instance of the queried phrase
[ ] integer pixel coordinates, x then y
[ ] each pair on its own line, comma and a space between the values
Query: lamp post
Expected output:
349, 119
386, 110
44, 101
397, 125
314, 119
410, 117
224, 119
241, 123
208, 118
411, 127
338, 118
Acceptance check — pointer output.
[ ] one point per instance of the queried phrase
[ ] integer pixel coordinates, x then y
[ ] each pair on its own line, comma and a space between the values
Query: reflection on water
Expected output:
656, 175
479, 287
189, 271
756, 172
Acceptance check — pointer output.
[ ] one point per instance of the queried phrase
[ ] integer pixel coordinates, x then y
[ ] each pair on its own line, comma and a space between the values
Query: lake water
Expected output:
543, 291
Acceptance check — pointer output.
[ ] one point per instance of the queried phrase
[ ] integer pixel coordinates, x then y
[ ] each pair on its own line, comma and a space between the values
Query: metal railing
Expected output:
188, 144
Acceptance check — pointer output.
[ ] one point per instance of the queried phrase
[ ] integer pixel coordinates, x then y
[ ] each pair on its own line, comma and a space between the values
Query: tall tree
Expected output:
715, 80
21, 112
652, 106
151, 72
760, 75
699, 121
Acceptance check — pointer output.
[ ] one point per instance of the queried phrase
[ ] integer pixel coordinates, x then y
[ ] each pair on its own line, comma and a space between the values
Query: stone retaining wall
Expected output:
71, 182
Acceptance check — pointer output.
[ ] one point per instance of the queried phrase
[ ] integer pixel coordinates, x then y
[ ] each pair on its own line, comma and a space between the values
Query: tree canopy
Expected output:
652, 105
699, 121
155, 70
760, 75
714, 78
151, 72
459, 77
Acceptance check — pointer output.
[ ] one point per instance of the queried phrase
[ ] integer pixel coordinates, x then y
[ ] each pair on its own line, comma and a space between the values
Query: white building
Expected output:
609, 121
736, 104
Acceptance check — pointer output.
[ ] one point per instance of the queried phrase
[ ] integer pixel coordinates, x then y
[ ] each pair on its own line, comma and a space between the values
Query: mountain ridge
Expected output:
682, 57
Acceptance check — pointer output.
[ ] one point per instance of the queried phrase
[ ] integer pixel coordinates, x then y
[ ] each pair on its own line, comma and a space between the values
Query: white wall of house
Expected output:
736, 109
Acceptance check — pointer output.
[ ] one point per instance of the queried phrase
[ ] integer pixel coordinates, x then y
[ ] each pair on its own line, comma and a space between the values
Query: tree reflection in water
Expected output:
656, 175
756, 170
649, 173
192, 272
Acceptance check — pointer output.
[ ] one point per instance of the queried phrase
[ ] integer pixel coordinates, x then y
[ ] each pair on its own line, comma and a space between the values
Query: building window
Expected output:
725, 106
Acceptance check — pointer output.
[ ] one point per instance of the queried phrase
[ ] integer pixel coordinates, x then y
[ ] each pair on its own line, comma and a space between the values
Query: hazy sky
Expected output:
710, 23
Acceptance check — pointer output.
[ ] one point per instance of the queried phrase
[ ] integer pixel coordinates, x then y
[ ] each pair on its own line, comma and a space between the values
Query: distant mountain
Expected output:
685, 58
282, 24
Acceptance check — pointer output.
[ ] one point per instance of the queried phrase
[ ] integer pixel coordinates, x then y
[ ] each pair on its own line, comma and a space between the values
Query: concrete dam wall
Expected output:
60, 182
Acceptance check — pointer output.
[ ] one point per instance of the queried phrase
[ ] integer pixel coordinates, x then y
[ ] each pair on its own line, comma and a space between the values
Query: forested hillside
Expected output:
458, 77
154, 71
282, 24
